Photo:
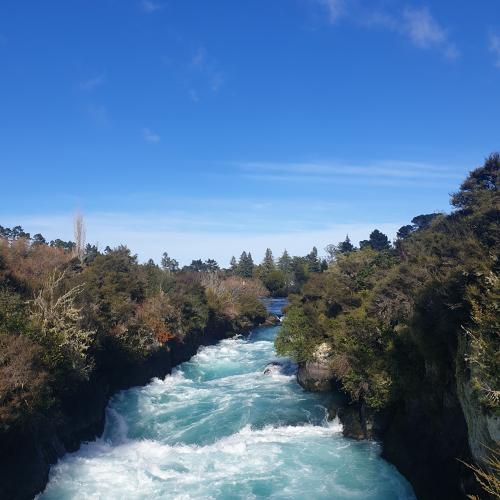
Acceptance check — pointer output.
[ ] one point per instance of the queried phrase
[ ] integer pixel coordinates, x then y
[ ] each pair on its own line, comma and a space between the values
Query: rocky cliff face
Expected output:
483, 429
26, 456
422, 435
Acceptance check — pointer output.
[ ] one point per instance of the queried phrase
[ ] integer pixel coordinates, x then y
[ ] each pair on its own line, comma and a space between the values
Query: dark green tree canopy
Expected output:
233, 264
313, 262
345, 246
246, 265
13, 234
479, 183
378, 241
423, 221
268, 263
285, 262
38, 239
405, 231
65, 245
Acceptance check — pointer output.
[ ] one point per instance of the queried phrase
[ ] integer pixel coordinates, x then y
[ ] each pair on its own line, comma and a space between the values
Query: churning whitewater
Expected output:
221, 428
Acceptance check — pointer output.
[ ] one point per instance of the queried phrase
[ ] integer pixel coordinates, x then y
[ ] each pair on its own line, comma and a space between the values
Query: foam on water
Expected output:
219, 427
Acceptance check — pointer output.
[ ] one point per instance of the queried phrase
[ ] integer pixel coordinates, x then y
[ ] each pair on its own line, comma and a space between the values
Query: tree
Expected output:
378, 241
405, 231
168, 264
423, 221
479, 184
285, 262
5, 232
59, 327
275, 282
313, 263
246, 265
211, 266
91, 252
233, 265
38, 239
196, 266
345, 246
65, 245
268, 264
18, 232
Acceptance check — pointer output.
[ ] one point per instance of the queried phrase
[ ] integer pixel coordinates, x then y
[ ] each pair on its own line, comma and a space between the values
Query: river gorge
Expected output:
222, 426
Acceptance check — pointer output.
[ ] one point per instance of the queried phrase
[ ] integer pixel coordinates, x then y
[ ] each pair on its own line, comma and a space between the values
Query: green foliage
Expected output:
480, 187
63, 320
13, 314
396, 321
378, 241
296, 338
285, 263
275, 282
313, 262
245, 265
168, 264
58, 328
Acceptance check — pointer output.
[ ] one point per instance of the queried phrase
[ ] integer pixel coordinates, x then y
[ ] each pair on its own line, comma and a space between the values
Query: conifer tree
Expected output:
268, 264
313, 263
233, 265
285, 262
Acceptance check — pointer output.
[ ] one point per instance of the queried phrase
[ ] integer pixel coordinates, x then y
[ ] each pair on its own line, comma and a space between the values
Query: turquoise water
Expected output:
219, 428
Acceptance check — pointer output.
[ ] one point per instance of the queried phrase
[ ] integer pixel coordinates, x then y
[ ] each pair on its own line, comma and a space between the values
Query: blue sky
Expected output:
206, 128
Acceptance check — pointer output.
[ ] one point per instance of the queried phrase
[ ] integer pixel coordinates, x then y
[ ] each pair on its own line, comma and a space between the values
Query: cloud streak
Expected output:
416, 24
208, 70
334, 8
388, 173
426, 33
494, 47
150, 136
92, 83
149, 6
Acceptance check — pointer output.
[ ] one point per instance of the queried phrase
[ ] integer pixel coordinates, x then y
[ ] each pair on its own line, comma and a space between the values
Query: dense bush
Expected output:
391, 318
65, 316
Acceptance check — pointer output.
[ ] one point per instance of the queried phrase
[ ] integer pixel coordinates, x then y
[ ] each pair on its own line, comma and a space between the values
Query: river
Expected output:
220, 428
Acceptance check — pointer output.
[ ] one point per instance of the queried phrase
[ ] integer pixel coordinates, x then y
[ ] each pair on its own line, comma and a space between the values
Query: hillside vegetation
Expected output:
66, 318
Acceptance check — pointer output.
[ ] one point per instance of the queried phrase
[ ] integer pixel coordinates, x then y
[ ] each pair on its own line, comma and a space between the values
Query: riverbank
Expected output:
421, 436
26, 457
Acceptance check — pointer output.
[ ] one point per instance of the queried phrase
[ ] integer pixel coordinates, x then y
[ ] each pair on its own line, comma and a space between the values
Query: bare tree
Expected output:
80, 234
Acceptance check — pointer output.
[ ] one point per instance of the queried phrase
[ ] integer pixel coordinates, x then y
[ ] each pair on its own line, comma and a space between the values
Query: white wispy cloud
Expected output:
206, 68
150, 136
416, 24
149, 6
387, 172
494, 47
334, 8
217, 80
425, 32
92, 83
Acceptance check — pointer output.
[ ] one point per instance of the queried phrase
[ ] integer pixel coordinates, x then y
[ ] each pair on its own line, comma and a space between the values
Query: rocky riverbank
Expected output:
421, 436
